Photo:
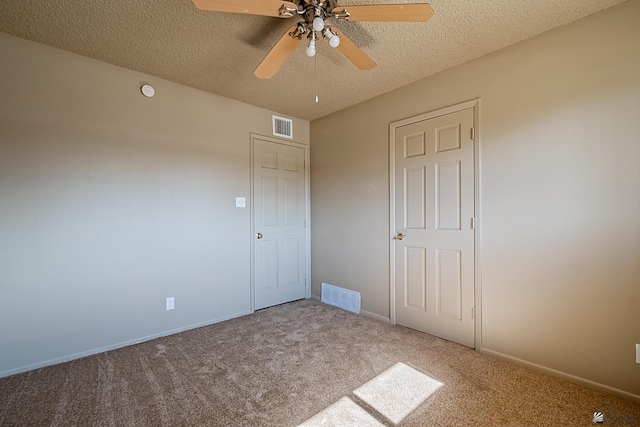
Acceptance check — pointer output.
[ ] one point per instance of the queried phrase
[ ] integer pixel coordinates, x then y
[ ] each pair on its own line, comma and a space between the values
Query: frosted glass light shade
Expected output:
311, 49
318, 23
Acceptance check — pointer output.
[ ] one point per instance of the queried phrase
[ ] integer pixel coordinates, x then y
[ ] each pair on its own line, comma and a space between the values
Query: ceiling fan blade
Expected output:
278, 55
275, 8
353, 52
414, 12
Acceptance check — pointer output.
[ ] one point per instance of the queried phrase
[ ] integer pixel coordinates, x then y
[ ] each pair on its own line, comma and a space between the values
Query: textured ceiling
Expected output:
217, 52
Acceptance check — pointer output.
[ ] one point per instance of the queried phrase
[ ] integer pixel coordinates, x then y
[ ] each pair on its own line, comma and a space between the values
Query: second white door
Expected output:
279, 213
434, 210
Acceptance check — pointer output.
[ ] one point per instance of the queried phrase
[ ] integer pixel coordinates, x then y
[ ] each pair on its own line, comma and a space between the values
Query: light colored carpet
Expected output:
285, 365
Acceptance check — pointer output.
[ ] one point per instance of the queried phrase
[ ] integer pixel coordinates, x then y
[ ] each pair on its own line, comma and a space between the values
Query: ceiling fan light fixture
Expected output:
311, 49
318, 23
334, 40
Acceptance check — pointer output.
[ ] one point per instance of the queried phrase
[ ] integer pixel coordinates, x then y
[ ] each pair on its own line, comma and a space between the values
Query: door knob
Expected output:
399, 236
258, 235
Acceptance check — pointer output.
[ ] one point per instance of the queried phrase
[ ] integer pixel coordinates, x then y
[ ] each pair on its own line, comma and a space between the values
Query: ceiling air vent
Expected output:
282, 127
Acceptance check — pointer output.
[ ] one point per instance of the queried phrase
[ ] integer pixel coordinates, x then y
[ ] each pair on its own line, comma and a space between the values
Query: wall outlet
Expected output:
170, 303
637, 353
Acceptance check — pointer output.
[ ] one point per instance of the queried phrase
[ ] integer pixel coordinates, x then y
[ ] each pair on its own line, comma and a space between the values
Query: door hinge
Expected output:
473, 313
473, 222
473, 133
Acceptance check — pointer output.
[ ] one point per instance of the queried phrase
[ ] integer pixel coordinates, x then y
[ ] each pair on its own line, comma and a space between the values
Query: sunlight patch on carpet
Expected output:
342, 413
398, 391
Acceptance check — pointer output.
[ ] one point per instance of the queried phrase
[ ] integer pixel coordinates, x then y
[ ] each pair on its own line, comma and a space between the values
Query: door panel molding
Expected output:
413, 147
289, 166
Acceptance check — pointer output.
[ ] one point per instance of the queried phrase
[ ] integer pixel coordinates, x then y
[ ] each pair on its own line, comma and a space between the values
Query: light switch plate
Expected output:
241, 202
170, 303
637, 353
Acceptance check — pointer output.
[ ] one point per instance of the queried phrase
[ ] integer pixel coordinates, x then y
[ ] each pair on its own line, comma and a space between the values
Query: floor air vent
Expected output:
282, 127
339, 297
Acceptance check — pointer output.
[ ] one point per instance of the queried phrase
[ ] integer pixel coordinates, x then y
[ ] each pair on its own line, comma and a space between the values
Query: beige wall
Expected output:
110, 202
560, 195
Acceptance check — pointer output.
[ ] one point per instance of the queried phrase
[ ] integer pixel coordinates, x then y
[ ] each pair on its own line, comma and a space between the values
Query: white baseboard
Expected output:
116, 346
364, 313
563, 375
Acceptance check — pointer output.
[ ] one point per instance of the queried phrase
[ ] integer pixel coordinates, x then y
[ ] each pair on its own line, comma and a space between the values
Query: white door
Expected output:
279, 213
434, 241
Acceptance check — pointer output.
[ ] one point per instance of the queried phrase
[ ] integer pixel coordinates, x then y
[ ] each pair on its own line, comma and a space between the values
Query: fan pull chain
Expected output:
315, 66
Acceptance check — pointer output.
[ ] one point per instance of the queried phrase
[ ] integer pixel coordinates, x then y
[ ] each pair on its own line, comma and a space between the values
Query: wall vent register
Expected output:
339, 297
282, 127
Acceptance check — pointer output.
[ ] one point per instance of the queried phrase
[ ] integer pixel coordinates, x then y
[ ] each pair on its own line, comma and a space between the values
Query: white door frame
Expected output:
307, 206
475, 104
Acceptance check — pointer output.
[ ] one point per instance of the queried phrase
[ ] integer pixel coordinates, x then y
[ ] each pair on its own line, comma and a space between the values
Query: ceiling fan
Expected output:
313, 13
